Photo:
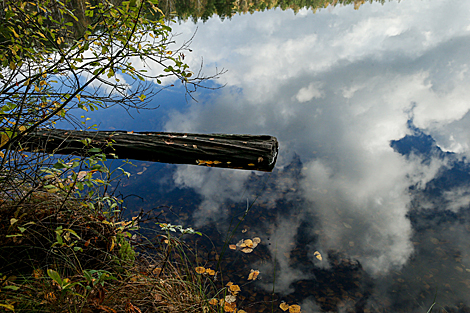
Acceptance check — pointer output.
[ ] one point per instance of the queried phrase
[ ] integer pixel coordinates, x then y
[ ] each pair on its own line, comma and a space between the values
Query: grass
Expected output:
64, 255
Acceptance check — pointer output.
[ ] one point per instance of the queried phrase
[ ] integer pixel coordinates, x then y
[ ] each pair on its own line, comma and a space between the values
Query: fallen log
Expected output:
248, 152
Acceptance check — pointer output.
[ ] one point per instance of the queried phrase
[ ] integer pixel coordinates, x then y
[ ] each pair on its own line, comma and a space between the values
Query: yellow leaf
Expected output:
112, 244
317, 255
200, 270
294, 308
284, 306
22, 128
2, 155
248, 243
230, 307
8, 307
210, 271
213, 302
253, 275
235, 288
78, 97
233, 247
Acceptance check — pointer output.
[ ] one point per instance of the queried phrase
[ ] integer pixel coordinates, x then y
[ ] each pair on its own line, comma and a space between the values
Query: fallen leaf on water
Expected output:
234, 289
210, 271
317, 255
230, 307
230, 299
294, 308
233, 247
253, 275
200, 270
247, 250
284, 306
213, 302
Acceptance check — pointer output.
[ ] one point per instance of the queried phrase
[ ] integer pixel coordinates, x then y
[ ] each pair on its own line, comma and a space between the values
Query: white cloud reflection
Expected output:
335, 88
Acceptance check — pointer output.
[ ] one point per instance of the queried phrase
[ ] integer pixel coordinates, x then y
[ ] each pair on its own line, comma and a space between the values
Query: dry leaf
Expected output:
230, 299
317, 255
256, 240
247, 250
294, 308
248, 243
230, 307
234, 288
213, 302
37, 273
200, 270
210, 271
284, 306
253, 275
233, 247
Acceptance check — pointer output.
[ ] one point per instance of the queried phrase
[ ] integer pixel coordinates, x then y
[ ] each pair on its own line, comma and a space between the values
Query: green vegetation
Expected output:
203, 10
64, 246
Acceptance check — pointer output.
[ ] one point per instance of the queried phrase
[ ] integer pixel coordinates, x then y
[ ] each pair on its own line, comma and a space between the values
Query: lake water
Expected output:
371, 109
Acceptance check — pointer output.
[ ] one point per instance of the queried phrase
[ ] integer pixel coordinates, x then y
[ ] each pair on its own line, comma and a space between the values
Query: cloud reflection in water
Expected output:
336, 88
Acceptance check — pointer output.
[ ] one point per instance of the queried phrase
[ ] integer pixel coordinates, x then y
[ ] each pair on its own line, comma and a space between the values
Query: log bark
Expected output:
248, 152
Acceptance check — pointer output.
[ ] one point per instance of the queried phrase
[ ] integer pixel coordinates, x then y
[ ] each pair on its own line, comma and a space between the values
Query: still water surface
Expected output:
371, 108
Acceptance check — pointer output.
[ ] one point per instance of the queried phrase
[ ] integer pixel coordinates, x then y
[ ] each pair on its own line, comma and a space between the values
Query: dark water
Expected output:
371, 110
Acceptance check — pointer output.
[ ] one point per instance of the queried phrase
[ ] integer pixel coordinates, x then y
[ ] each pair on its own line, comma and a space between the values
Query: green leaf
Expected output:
60, 165
11, 287
55, 276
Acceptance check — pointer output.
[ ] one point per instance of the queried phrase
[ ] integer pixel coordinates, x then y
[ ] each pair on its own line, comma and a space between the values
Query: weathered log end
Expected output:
248, 152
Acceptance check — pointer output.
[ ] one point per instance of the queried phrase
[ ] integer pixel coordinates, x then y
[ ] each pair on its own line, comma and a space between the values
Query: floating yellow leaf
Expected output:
213, 302
294, 308
200, 270
229, 284
256, 240
248, 243
247, 250
284, 306
234, 288
230, 307
233, 247
317, 255
210, 271
253, 274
